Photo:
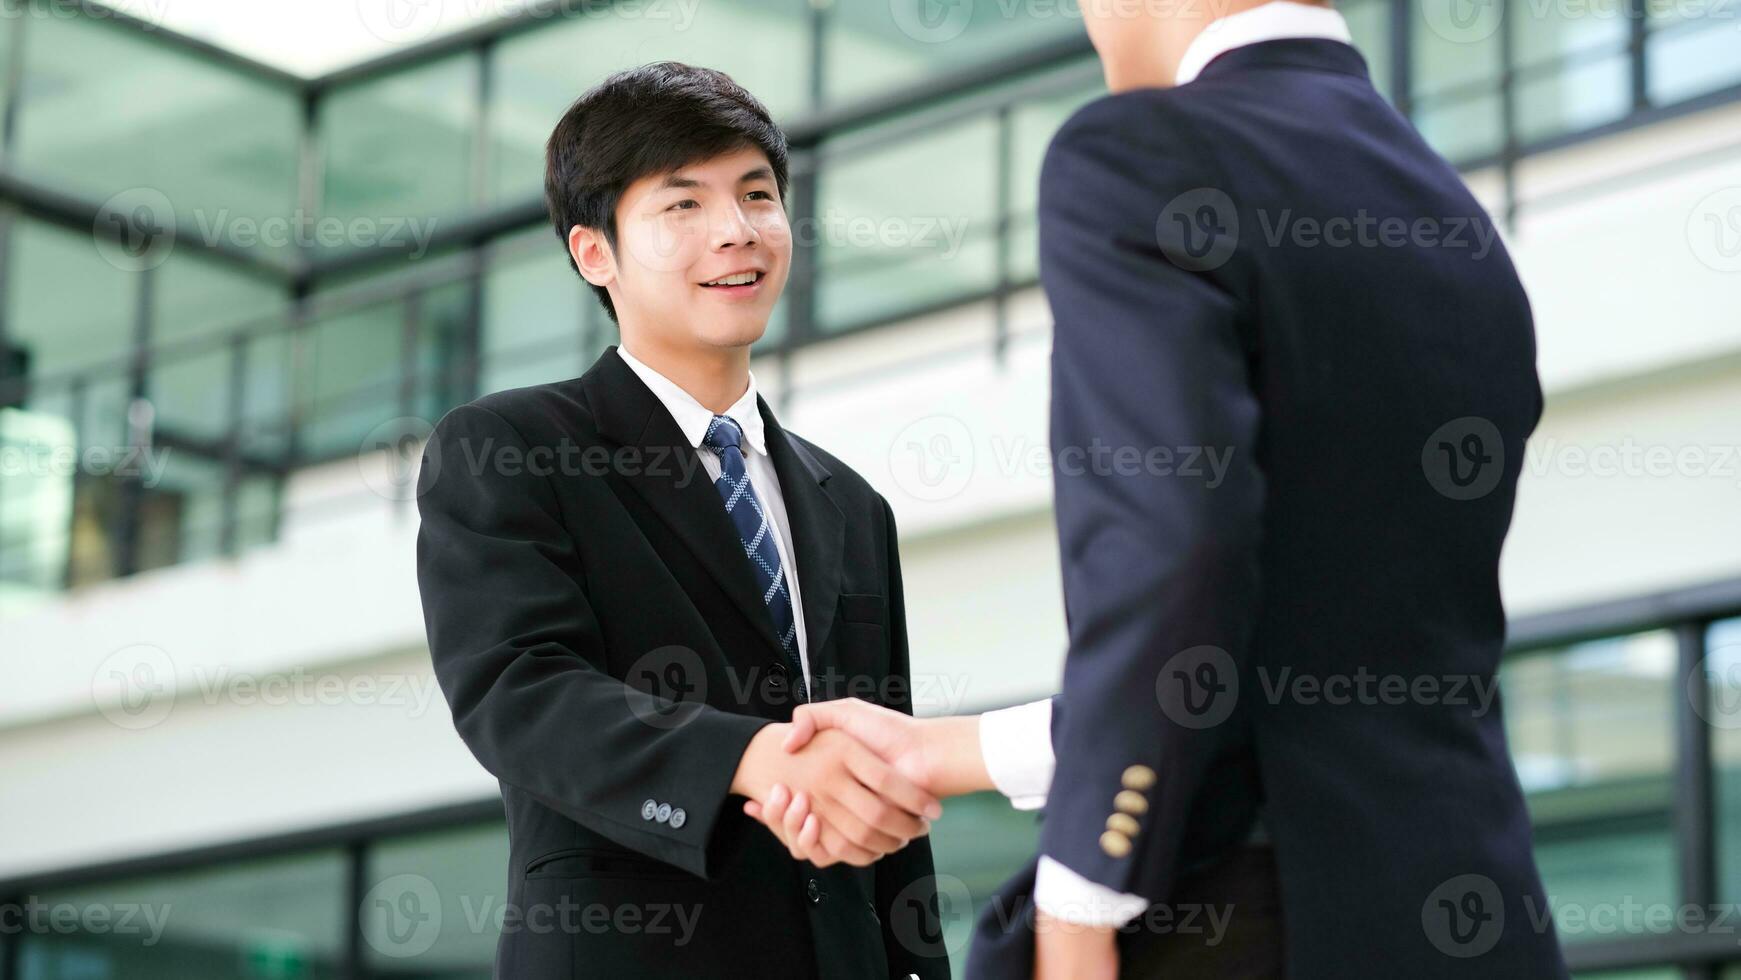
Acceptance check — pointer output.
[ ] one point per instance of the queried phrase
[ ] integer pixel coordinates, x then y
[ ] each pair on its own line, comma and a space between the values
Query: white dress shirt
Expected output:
1017, 742
693, 418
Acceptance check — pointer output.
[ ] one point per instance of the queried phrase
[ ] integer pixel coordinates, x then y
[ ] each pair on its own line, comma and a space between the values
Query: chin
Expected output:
737, 332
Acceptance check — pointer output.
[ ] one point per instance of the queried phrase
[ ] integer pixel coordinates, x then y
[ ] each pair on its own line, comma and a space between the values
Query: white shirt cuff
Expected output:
1067, 896
1016, 744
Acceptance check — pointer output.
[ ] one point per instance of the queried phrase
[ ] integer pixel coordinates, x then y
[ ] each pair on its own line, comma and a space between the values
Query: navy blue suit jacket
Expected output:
1293, 372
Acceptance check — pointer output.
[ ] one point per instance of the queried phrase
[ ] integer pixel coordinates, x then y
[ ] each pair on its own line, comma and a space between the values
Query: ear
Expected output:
592, 254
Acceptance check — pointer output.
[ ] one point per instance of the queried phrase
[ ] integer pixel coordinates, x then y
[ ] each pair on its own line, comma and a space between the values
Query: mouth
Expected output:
736, 285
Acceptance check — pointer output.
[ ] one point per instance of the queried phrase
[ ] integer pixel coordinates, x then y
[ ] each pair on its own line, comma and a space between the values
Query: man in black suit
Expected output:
630, 578
1279, 693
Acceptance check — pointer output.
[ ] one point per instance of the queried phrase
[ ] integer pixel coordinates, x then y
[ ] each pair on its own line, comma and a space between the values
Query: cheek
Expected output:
775, 232
662, 246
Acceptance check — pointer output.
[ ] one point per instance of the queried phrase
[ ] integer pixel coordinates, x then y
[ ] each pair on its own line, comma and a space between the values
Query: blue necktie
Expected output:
746, 513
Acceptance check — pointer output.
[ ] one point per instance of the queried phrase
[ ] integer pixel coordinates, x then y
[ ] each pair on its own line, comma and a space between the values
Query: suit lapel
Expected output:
670, 478
818, 532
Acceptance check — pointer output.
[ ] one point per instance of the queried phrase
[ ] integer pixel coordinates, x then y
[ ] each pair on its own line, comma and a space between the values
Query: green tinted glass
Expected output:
1591, 729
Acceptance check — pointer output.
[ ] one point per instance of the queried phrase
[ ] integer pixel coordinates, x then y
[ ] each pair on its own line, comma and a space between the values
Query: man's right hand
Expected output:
862, 806
941, 755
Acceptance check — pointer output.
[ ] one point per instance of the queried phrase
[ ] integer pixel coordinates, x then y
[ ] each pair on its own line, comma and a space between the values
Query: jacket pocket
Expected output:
867, 609
593, 862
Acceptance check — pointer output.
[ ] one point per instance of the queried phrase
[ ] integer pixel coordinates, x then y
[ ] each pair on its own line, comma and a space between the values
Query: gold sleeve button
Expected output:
1130, 801
1139, 778
1115, 843
1123, 823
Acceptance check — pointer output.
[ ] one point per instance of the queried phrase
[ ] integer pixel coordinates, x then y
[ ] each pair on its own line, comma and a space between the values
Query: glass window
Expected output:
195, 301
36, 504
1580, 96
66, 306
1456, 45
181, 513
1455, 87
398, 148
1573, 72
762, 44
1369, 23
433, 904
1033, 124
1591, 728
348, 379
1463, 128
1723, 671
194, 295
443, 315
221, 145
267, 918
1687, 58
541, 322
887, 242
871, 48
68, 310
978, 844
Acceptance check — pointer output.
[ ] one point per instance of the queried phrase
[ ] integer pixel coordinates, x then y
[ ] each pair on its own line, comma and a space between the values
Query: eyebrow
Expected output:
753, 174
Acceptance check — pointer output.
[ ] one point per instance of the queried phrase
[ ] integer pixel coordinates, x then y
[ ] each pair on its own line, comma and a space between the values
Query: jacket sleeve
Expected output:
906, 885
518, 653
1154, 430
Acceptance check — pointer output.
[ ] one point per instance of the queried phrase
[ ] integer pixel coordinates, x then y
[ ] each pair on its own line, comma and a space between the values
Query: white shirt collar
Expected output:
693, 417
1269, 22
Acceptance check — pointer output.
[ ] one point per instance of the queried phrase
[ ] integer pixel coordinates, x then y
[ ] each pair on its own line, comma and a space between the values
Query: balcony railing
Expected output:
364, 334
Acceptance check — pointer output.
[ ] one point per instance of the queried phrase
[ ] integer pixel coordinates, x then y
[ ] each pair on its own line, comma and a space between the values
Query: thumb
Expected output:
806, 722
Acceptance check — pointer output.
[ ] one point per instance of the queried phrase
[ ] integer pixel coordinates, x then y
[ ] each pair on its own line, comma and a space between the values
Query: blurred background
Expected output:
251, 251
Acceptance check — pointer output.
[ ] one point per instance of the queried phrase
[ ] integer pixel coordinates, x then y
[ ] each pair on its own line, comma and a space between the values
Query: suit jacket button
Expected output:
814, 892
678, 817
649, 810
1132, 802
1115, 843
1139, 778
1124, 823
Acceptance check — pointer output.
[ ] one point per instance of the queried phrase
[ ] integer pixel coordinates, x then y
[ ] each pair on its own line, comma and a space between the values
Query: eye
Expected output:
763, 195
684, 205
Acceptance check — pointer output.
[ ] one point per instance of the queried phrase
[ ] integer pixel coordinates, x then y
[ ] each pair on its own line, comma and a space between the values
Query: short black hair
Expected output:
654, 119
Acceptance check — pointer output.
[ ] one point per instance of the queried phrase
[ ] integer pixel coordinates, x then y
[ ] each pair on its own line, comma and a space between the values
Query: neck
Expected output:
1151, 59
714, 376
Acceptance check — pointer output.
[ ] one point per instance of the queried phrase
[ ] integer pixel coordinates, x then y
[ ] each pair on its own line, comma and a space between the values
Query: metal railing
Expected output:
994, 92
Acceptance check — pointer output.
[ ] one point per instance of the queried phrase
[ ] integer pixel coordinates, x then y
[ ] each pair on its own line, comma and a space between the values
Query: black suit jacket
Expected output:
1293, 371
597, 631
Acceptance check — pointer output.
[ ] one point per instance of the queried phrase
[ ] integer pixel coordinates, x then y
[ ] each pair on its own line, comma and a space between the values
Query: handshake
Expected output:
851, 781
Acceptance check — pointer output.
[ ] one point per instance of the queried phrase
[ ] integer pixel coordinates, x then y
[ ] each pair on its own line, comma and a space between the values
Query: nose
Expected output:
732, 227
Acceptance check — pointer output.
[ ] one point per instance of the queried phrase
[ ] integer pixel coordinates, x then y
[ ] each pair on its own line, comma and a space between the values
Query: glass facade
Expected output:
248, 309
1592, 731
1723, 677
276, 917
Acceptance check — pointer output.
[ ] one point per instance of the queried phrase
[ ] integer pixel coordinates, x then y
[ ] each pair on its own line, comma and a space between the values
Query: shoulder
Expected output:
539, 414
1119, 158
1140, 122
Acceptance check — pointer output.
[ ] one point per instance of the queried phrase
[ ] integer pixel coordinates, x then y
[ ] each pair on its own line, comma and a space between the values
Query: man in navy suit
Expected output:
1279, 694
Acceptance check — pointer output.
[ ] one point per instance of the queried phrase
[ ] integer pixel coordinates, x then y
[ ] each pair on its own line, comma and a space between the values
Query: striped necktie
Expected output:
757, 531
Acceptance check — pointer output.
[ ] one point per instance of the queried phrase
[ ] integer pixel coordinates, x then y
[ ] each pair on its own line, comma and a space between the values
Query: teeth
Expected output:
741, 279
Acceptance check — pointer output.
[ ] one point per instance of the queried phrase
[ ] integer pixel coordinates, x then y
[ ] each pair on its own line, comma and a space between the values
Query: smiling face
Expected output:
701, 256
